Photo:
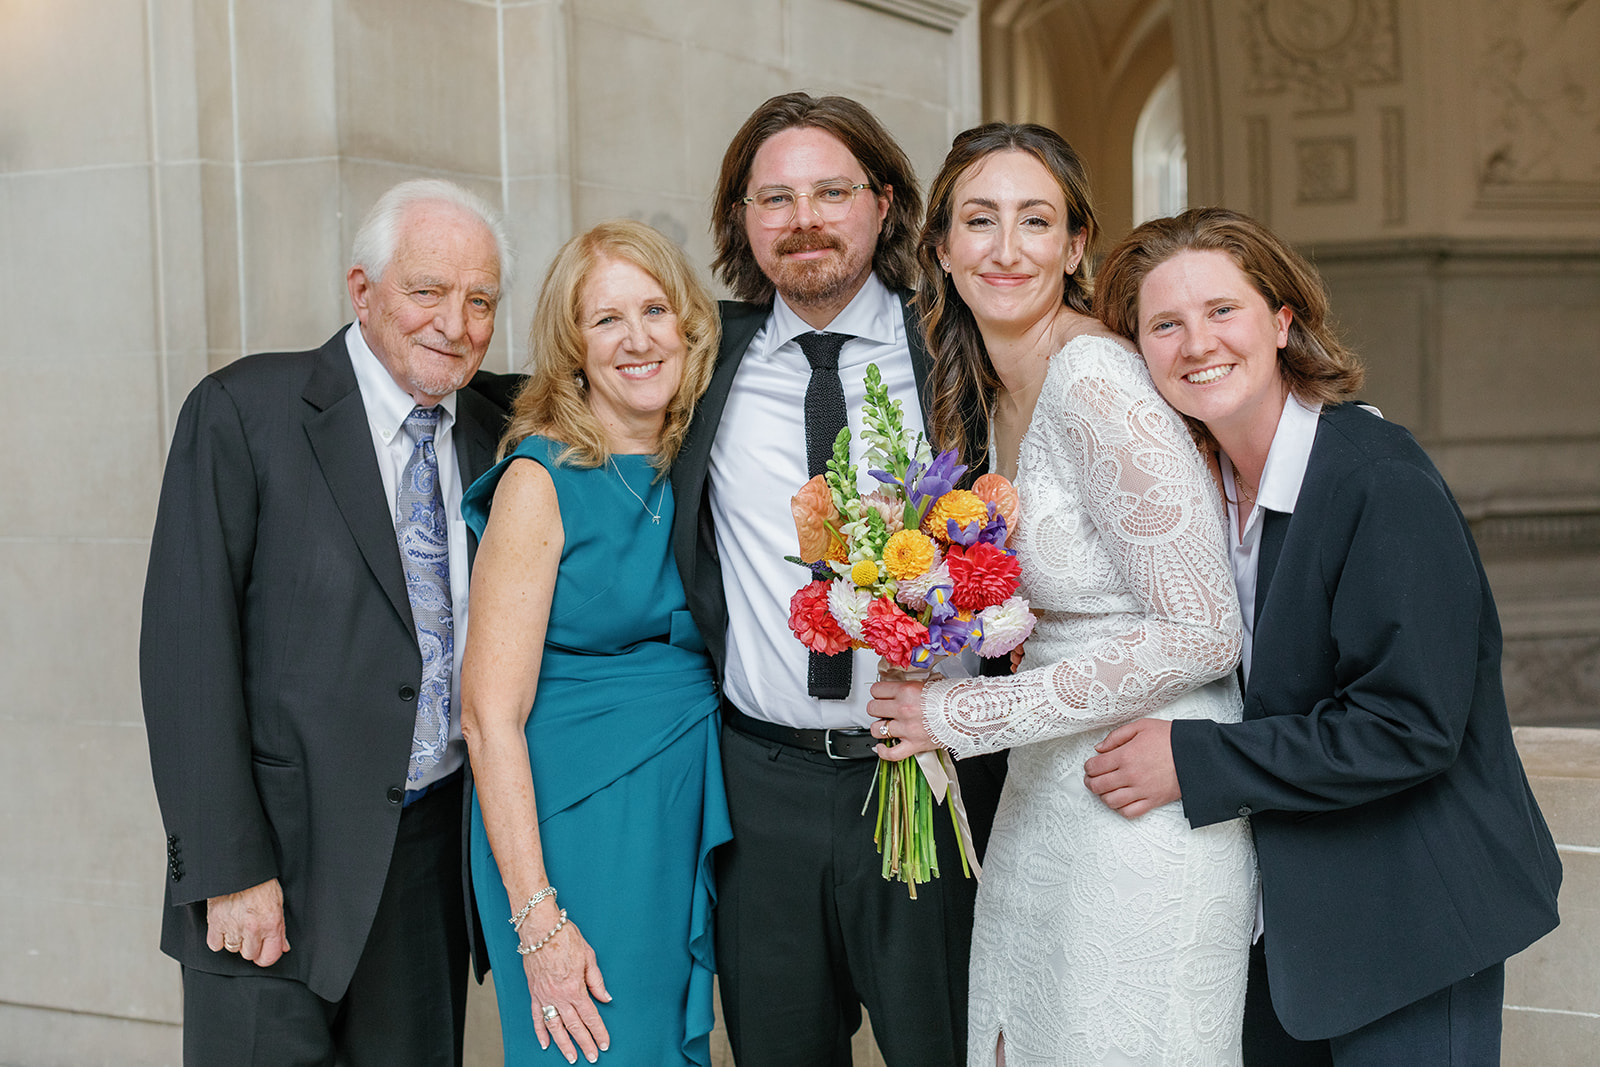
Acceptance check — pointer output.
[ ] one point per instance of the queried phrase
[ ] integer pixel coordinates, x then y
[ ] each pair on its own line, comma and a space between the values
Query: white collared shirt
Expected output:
758, 462
387, 407
1279, 490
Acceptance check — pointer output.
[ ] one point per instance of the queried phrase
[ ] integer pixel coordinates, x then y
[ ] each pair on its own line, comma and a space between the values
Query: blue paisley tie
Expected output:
424, 535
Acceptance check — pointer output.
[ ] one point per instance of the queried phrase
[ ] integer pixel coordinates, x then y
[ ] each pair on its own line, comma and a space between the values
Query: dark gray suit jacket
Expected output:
1399, 844
278, 661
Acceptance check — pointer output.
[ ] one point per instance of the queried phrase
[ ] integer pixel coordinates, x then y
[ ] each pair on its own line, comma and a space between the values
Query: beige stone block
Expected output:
73, 653
725, 90
294, 265
220, 253
1542, 1039
628, 132
750, 28
83, 901
286, 79
1561, 971
179, 267
94, 434
850, 44
1502, 372
1383, 314
539, 216
536, 90
213, 78
173, 81
39, 1037
483, 1047
418, 81
80, 66
685, 219
87, 233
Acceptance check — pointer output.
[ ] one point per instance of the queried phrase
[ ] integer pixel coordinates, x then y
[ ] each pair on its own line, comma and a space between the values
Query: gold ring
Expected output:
235, 947
550, 1013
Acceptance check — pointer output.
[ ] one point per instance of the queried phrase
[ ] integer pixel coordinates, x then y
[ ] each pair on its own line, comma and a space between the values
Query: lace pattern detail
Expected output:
1123, 559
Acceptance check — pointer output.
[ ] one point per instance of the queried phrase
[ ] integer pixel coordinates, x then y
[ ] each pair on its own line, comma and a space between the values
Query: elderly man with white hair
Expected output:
304, 615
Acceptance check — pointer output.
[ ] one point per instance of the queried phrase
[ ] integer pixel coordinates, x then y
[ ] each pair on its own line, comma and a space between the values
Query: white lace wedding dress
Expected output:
1101, 940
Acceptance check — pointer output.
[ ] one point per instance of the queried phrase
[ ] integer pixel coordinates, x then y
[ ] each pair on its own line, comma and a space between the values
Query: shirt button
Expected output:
407, 693
396, 794
1244, 812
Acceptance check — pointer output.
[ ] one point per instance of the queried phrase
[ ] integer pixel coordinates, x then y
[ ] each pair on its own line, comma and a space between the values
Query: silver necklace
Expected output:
655, 516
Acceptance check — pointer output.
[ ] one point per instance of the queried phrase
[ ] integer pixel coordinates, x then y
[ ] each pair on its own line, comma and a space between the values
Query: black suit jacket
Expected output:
1399, 844
278, 660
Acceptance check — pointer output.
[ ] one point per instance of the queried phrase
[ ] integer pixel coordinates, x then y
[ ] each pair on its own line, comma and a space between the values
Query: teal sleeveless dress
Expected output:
627, 778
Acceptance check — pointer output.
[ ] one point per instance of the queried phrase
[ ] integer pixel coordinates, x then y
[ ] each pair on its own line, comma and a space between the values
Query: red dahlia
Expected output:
813, 623
892, 633
982, 574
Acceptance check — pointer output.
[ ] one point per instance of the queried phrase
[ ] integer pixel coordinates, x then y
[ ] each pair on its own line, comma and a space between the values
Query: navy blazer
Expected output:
1399, 844
278, 658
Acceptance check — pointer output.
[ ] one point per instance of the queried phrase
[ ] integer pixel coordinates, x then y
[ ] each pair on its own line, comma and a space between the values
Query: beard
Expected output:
818, 281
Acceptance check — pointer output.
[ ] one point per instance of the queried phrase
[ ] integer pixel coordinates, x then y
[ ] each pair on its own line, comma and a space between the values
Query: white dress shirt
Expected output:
758, 462
1278, 491
387, 407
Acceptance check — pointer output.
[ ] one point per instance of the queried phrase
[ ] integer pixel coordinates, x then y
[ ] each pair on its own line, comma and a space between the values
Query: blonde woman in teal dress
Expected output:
588, 702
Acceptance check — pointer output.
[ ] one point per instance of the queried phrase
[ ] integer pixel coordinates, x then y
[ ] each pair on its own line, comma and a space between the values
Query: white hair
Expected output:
375, 241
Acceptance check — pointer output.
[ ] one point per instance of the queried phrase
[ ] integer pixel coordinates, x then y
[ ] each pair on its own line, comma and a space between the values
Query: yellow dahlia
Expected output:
908, 554
864, 573
961, 505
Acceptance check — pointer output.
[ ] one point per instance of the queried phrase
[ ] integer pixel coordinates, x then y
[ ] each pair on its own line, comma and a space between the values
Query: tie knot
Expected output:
421, 424
822, 349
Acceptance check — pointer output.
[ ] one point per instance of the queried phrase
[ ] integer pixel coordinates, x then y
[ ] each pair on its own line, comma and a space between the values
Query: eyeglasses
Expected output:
831, 202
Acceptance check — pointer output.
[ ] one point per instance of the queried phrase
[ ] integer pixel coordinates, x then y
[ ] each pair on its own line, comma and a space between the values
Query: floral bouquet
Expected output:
915, 570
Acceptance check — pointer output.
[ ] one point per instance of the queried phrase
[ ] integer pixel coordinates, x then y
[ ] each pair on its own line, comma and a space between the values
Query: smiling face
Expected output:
814, 264
1211, 343
1009, 246
430, 317
634, 349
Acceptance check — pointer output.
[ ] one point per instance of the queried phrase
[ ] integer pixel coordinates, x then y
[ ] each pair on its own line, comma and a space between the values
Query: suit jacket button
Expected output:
1244, 812
396, 794
407, 693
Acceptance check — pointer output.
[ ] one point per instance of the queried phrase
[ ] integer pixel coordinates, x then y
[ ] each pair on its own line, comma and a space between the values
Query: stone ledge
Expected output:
1558, 751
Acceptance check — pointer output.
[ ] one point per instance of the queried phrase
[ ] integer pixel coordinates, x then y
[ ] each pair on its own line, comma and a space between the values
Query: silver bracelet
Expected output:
516, 920
528, 950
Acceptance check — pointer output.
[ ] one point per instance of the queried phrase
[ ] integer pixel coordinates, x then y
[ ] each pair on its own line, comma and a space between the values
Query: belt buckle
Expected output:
827, 745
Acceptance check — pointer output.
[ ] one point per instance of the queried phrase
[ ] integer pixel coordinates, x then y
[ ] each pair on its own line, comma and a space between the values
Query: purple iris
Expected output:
938, 479
949, 637
938, 601
992, 531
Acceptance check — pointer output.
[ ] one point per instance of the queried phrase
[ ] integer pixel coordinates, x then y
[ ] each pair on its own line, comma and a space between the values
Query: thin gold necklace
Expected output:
1246, 490
655, 516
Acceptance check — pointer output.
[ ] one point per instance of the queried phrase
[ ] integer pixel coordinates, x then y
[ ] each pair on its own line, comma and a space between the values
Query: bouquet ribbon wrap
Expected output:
938, 769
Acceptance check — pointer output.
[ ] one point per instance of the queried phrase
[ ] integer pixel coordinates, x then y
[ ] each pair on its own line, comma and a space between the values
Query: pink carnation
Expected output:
893, 634
813, 623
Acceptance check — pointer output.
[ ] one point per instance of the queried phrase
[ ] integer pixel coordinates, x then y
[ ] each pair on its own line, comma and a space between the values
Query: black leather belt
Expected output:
853, 743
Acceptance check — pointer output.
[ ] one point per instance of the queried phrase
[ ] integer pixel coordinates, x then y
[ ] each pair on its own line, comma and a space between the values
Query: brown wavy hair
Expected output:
888, 172
554, 401
1314, 362
964, 382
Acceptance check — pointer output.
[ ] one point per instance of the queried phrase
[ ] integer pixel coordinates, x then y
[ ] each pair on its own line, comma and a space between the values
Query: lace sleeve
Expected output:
1150, 503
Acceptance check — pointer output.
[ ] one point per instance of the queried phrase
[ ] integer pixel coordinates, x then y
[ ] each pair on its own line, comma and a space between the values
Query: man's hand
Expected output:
1134, 772
249, 922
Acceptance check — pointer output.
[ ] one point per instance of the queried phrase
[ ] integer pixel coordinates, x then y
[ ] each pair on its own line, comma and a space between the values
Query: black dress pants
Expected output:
406, 1004
808, 931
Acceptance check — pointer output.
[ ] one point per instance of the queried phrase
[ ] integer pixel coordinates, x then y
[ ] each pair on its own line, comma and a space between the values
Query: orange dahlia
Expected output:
908, 554
982, 575
960, 505
813, 623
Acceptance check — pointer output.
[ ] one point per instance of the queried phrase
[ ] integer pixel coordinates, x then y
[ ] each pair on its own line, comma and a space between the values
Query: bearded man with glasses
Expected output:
815, 220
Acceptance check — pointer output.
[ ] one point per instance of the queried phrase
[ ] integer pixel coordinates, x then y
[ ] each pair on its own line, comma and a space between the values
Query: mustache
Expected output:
807, 241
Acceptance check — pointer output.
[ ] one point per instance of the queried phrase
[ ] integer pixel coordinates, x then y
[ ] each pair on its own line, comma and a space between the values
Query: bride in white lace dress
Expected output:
1098, 940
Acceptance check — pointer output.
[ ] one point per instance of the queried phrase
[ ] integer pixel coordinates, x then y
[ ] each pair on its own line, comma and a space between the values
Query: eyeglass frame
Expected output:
794, 210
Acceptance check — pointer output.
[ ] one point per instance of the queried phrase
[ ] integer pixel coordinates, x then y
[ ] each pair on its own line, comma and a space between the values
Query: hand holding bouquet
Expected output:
916, 570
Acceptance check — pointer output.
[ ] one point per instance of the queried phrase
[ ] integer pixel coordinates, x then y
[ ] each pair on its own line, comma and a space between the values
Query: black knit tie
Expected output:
828, 676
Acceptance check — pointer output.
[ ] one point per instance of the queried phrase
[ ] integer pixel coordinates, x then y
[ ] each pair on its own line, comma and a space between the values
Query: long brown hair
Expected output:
963, 379
554, 401
1314, 362
887, 168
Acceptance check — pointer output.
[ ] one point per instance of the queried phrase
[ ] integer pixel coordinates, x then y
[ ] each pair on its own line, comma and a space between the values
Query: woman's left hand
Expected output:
896, 708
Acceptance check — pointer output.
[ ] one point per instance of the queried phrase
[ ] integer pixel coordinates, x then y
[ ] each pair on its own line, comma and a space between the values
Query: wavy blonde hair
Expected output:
554, 401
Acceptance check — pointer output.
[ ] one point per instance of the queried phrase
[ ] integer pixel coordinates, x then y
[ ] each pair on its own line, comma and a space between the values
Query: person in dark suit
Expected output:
815, 220
304, 614
1403, 857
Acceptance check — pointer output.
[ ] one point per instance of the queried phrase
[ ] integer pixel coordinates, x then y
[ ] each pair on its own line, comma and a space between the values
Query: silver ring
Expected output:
550, 1013
233, 947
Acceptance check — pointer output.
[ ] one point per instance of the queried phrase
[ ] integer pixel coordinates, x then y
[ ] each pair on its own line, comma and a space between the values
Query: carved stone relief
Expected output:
1538, 106
1392, 120
1320, 49
1325, 170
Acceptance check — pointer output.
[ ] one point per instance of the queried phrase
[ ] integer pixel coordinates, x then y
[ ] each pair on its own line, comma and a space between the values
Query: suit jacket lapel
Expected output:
342, 441
921, 363
1274, 524
476, 435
